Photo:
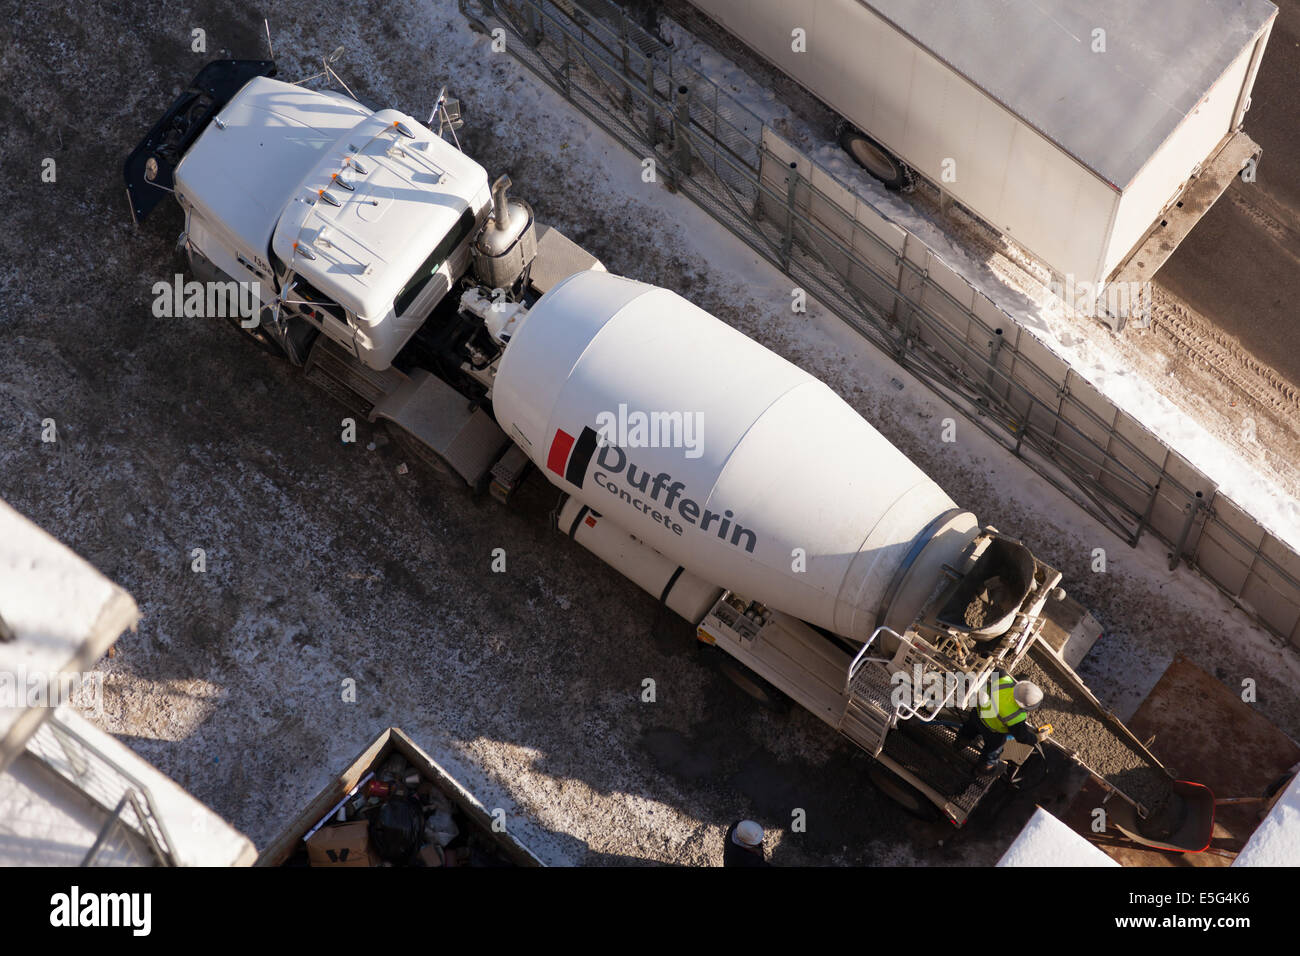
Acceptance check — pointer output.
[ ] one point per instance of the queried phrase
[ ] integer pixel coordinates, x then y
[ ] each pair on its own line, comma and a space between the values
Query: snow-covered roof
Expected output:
244, 167
1046, 841
1277, 840
64, 615
1111, 110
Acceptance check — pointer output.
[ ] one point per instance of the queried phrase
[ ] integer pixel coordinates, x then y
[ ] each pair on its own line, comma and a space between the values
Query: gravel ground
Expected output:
325, 564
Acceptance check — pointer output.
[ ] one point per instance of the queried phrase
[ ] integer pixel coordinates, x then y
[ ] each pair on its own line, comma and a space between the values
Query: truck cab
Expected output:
354, 223
383, 262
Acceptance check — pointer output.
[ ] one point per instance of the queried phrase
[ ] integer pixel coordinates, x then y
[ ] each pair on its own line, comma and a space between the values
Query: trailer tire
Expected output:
902, 793
892, 172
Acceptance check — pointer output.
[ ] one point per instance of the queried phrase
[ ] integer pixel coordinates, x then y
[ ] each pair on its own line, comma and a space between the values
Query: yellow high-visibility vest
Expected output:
1001, 712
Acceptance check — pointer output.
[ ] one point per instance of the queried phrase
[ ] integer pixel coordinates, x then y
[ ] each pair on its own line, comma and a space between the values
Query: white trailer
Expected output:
1073, 129
791, 534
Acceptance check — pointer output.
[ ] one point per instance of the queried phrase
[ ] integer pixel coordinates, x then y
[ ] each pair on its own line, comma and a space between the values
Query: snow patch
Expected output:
1046, 841
1277, 841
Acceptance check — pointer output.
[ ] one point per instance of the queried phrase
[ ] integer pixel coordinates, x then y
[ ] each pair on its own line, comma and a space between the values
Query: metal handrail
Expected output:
860, 658
904, 711
82, 760
116, 823
901, 711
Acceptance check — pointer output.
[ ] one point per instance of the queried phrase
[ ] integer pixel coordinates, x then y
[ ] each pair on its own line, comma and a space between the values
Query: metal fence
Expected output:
896, 291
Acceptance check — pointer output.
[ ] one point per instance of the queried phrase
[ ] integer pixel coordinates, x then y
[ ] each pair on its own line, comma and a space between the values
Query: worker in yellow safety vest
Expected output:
1003, 714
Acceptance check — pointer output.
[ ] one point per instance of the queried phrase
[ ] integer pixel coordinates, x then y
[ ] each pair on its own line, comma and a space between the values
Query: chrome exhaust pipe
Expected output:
500, 203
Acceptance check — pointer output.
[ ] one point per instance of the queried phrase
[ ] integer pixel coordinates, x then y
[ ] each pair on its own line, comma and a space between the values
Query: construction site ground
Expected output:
330, 567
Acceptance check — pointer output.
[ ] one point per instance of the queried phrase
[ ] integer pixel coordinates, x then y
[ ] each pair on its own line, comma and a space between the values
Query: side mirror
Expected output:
452, 113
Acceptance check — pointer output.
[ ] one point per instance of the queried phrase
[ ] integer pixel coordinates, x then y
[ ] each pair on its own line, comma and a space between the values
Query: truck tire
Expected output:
902, 793
258, 337
756, 687
892, 172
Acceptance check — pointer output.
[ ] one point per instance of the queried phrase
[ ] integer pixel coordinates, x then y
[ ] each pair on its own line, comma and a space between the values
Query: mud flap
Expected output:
149, 170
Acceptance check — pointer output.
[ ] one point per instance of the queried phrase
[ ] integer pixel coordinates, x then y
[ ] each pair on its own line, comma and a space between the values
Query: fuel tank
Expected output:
722, 456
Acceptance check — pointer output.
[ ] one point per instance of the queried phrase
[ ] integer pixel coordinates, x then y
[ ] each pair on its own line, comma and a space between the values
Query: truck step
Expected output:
931, 753
508, 472
868, 711
334, 369
865, 727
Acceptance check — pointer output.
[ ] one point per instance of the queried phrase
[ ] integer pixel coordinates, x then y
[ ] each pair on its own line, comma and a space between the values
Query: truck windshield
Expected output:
458, 234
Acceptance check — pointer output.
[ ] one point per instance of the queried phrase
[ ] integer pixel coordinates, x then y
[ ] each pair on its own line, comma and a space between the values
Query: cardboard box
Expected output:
342, 844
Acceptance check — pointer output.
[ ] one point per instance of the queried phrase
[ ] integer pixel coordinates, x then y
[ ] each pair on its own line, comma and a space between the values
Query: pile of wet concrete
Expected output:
1079, 726
989, 605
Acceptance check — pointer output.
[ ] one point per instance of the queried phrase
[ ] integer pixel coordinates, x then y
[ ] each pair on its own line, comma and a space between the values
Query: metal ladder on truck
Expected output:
871, 709
922, 753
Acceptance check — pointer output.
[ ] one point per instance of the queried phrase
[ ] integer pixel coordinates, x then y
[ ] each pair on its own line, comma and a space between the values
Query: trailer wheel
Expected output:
902, 793
875, 159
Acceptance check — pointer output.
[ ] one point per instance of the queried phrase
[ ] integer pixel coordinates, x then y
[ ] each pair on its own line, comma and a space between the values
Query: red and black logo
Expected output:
569, 457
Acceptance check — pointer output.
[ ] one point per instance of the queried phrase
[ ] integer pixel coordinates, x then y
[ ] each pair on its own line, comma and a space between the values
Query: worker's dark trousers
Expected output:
993, 741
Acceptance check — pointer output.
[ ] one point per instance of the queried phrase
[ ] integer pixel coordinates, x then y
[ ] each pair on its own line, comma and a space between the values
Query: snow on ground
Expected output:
325, 563
1046, 841
1082, 343
1277, 841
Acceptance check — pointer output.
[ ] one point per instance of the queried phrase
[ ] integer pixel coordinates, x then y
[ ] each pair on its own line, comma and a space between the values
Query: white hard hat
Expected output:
1027, 694
747, 833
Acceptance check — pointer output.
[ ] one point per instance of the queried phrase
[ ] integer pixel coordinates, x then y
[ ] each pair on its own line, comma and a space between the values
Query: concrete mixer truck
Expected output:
737, 489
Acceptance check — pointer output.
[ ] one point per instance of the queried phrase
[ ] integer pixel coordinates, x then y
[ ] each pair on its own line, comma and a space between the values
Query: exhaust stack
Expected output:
500, 203
506, 247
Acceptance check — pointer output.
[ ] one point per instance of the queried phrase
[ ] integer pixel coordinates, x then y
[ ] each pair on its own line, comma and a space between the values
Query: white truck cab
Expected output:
385, 264
361, 221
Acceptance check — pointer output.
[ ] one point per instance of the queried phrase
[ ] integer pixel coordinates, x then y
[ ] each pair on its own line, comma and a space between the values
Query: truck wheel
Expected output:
753, 685
417, 451
875, 159
902, 793
258, 337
